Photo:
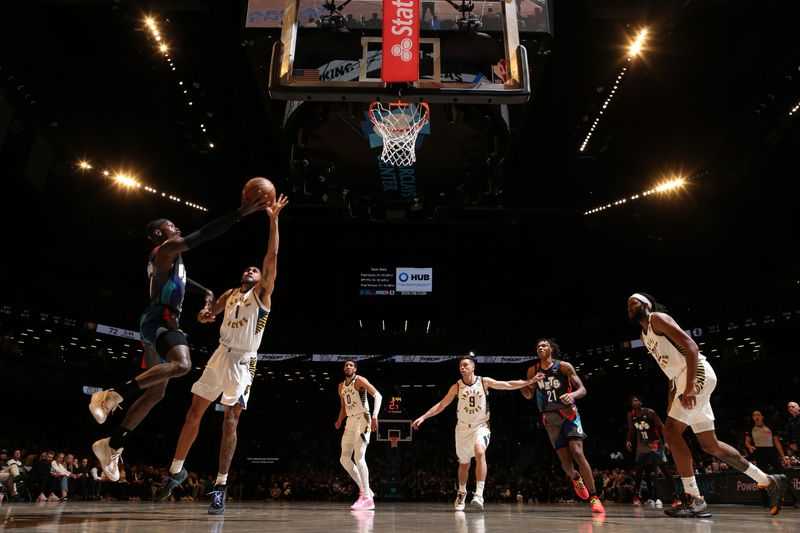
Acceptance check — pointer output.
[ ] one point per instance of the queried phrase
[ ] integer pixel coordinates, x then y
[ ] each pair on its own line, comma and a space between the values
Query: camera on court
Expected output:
332, 21
471, 25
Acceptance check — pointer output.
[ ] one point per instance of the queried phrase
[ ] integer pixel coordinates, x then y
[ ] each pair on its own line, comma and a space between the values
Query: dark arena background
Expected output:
571, 158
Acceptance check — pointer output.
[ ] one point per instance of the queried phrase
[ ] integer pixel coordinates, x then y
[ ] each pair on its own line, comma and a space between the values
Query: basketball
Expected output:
258, 185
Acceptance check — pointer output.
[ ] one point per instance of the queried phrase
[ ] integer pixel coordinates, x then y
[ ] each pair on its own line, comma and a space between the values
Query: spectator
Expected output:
10, 472
275, 491
793, 427
374, 22
60, 478
83, 476
95, 482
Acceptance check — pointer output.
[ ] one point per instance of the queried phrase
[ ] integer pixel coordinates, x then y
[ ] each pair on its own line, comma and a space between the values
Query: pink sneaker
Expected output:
364, 503
357, 505
368, 505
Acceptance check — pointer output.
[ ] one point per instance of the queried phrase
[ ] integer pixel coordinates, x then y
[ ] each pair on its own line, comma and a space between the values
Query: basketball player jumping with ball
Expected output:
166, 350
231, 369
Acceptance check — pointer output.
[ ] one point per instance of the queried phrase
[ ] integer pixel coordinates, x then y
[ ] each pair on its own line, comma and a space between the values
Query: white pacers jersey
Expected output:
355, 401
244, 320
473, 404
669, 357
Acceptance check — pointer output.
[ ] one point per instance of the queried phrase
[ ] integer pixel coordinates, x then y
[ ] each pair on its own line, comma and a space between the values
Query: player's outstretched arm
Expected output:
269, 269
193, 286
212, 309
529, 391
168, 251
438, 407
512, 385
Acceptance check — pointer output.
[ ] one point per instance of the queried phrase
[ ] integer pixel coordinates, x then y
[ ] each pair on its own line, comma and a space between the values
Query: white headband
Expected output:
642, 299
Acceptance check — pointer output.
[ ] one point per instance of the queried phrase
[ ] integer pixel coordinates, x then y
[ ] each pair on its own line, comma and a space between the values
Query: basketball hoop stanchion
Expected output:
398, 124
393, 440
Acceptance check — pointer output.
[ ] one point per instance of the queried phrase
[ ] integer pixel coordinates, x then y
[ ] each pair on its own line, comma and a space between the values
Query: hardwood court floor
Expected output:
325, 517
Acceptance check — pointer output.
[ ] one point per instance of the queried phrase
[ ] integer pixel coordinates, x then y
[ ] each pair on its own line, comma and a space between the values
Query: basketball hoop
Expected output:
394, 437
399, 124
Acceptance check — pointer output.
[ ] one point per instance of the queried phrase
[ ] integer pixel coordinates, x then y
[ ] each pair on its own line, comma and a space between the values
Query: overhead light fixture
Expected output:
638, 42
661, 188
126, 180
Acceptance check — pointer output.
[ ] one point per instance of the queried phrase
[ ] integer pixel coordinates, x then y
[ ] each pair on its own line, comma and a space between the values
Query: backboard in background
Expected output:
315, 60
388, 427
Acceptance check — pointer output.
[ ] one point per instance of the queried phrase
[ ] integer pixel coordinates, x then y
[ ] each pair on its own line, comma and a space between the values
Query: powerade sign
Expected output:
414, 280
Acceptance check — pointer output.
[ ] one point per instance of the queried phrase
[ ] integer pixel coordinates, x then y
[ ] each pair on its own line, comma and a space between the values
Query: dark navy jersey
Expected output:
552, 387
167, 288
648, 439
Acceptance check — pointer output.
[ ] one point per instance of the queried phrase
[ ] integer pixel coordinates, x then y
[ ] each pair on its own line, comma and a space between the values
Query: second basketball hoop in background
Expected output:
399, 124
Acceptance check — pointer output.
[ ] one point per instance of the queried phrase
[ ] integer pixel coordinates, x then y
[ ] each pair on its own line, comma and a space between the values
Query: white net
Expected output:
399, 124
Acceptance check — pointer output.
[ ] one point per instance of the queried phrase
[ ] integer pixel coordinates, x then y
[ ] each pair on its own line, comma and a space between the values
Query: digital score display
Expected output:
395, 405
403, 281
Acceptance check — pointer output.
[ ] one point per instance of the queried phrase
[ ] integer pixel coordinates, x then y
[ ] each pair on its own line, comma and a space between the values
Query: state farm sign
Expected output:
400, 41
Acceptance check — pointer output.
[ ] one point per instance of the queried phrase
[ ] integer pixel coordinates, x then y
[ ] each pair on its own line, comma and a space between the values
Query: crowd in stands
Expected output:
521, 470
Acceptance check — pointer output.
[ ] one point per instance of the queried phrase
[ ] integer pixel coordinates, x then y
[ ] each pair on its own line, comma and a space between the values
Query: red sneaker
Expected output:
637, 502
597, 507
580, 488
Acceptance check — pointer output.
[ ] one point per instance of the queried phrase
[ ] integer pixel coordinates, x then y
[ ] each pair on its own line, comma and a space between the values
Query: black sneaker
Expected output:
775, 491
172, 481
690, 508
218, 499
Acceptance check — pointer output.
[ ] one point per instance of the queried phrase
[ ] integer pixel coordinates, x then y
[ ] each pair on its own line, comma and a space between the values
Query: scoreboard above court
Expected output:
394, 281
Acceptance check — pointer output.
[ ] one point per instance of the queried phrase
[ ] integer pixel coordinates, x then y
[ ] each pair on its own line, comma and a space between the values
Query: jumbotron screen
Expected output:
396, 281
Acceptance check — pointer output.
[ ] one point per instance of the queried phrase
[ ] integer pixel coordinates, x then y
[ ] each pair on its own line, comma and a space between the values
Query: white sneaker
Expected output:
460, 499
103, 403
477, 502
659, 504
109, 458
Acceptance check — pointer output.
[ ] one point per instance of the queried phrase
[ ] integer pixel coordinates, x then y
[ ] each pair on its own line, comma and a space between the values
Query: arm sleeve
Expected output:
376, 403
193, 286
213, 229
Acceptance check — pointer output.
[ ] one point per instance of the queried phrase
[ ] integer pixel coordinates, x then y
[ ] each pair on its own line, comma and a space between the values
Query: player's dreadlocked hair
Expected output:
554, 347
